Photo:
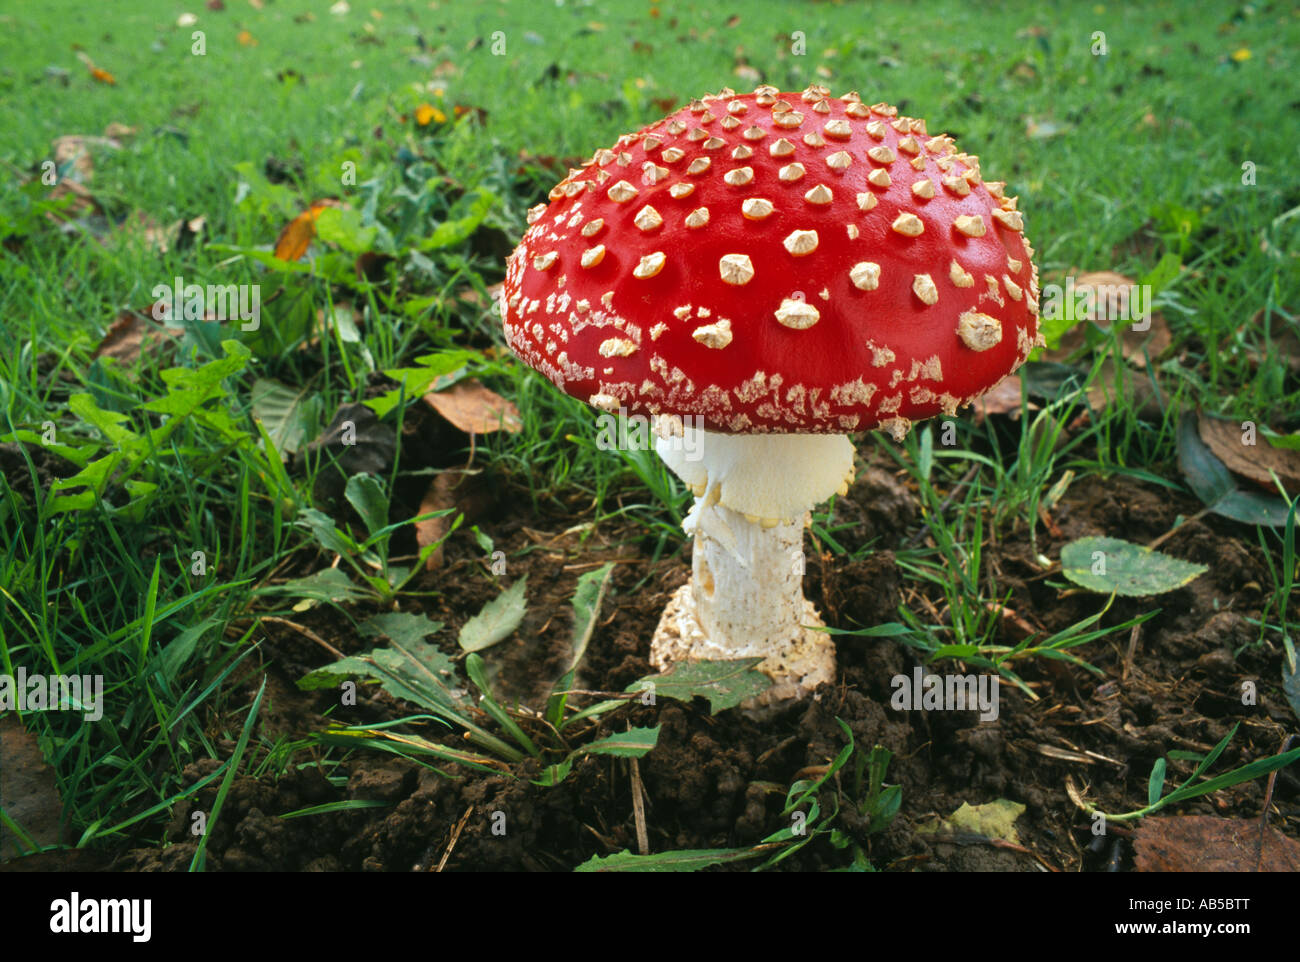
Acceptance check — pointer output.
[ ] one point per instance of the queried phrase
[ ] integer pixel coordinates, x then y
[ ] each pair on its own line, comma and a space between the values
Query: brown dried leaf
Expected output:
1227, 441
27, 785
439, 497
1003, 399
1136, 388
127, 335
75, 149
1284, 343
299, 232
475, 409
1208, 843
141, 228
1156, 339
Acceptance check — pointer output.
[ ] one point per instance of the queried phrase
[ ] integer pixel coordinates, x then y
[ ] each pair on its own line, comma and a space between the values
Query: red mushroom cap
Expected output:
776, 262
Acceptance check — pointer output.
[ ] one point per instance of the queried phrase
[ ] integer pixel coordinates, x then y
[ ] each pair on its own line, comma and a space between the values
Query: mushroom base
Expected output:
745, 599
796, 667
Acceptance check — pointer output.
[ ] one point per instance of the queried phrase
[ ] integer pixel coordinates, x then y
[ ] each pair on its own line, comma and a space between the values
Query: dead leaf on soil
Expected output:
449, 489
995, 819
1110, 292
1283, 343
475, 409
1208, 843
299, 232
72, 154
28, 787
130, 333
1136, 388
1227, 441
84, 204
139, 227
1003, 399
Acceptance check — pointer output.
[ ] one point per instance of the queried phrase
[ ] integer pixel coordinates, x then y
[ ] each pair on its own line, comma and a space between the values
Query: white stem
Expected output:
747, 579
745, 597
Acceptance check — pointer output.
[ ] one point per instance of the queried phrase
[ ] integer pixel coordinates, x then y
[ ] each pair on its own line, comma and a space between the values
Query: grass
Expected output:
1119, 160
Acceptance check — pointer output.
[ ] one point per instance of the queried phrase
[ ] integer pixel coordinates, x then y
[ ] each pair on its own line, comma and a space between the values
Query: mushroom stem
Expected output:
745, 597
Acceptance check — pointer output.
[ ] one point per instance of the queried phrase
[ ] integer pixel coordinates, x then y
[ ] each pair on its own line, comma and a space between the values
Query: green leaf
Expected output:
411, 669
328, 584
1291, 676
467, 214
416, 381
404, 628
587, 598
724, 683
1113, 565
685, 860
629, 744
552, 775
995, 819
498, 619
1156, 784
342, 226
1159, 277
366, 494
327, 535
279, 408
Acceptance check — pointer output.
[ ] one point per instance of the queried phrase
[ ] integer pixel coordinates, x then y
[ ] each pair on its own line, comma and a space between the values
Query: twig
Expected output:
1174, 530
638, 810
305, 632
1268, 800
455, 834
1133, 637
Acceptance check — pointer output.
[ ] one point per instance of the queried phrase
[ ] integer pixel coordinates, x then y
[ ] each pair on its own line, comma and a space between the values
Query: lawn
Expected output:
296, 544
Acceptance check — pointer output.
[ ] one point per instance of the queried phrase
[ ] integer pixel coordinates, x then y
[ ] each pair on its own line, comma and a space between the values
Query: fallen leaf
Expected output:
1208, 843
142, 228
72, 155
1135, 386
246, 39
1111, 302
475, 409
103, 76
1132, 570
1212, 482
1284, 342
130, 333
1003, 399
83, 205
297, 235
439, 497
29, 790
497, 620
995, 819
1228, 441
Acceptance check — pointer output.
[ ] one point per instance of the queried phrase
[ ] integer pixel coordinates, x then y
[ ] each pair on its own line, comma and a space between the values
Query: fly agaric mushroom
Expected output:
781, 269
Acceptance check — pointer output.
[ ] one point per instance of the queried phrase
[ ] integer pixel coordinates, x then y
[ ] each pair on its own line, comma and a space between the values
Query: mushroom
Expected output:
766, 274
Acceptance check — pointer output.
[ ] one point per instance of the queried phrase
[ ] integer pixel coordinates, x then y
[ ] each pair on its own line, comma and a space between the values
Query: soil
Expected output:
720, 780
